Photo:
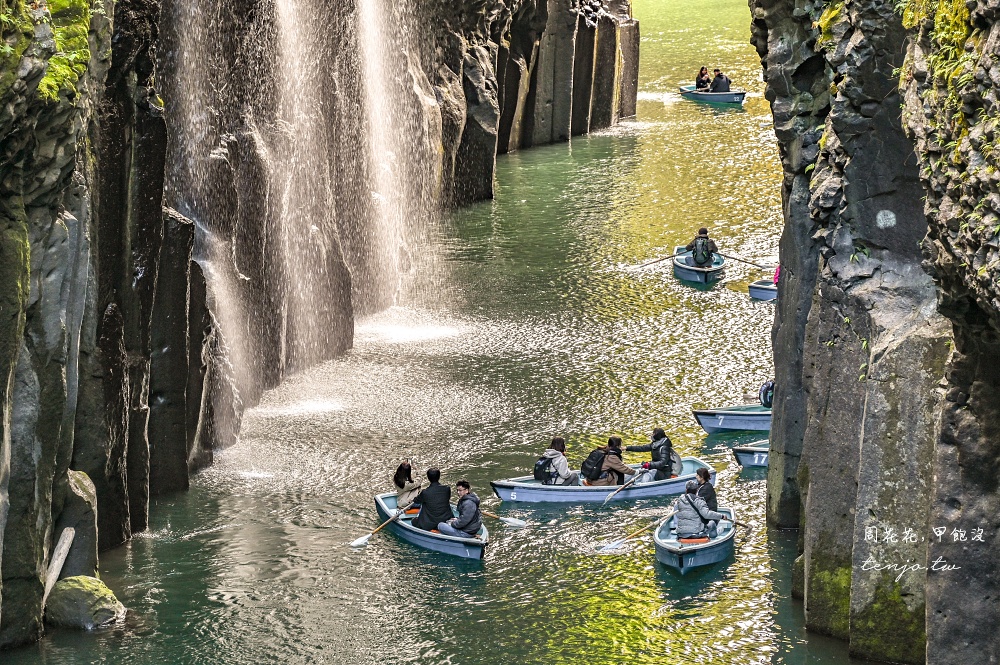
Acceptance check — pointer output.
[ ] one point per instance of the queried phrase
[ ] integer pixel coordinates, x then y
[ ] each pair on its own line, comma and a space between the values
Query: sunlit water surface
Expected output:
523, 320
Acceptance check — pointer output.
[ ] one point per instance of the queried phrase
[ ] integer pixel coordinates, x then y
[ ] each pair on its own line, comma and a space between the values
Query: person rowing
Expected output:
694, 518
703, 249
661, 466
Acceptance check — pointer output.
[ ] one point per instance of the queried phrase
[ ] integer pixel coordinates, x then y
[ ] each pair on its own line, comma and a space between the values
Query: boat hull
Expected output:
699, 275
735, 97
529, 490
751, 456
744, 418
468, 548
683, 557
763, 289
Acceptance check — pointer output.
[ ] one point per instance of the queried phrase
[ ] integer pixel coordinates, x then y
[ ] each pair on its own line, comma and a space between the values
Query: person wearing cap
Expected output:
693, 517
702, 249
720, 83
469, 520
661, 467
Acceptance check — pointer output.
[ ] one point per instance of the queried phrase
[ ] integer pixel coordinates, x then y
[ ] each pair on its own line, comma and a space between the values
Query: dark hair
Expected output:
465, 484
691, 487
433, 475
402, 475
703, 231
615, 442
658, 434
703, 70
704, 474
716, 71
558, 443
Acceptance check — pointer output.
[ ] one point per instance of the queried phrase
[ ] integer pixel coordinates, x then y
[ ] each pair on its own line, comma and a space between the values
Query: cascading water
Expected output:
305, 144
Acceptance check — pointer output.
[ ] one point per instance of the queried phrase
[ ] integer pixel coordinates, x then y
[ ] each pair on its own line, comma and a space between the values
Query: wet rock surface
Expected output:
82, 602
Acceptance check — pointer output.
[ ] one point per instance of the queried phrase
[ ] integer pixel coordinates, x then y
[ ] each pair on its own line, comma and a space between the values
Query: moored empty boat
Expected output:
733, 97
751, 456
526, 488
763, 289
685, 268
742, 417
684, 554
469, 548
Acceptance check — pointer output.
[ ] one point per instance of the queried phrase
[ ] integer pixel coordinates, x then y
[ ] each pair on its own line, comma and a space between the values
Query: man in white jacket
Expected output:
558, 466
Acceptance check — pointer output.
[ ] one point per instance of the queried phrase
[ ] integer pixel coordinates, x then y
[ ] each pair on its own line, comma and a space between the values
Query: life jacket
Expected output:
543, 470
701, 253
766, 394
593, 467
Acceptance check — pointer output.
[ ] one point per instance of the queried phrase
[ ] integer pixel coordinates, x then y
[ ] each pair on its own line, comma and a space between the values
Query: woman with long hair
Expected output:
406, 488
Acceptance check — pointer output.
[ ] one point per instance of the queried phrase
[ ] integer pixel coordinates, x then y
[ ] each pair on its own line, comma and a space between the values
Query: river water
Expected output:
520, 320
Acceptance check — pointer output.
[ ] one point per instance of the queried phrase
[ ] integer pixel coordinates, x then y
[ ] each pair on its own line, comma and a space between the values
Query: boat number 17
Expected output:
760, 458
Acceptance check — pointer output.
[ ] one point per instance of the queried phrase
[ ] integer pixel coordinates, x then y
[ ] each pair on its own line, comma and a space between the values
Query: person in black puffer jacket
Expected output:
662, 453
469, 520
435, 503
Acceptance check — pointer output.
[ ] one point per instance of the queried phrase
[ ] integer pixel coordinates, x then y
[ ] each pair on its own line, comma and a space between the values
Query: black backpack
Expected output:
593, 467
701, 254
543, 472
766, 394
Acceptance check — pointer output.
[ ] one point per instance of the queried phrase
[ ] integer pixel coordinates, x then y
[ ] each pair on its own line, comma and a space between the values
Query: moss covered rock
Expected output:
82, 602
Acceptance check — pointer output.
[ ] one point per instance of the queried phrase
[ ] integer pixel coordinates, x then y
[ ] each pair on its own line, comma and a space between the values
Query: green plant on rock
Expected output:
825, 25
71, 24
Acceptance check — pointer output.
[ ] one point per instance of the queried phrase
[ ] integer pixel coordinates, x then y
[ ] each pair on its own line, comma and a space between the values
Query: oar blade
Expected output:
612, 546
513, 521
362, 541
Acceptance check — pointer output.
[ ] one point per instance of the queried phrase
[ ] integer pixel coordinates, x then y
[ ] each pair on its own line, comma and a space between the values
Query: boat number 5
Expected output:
513, 496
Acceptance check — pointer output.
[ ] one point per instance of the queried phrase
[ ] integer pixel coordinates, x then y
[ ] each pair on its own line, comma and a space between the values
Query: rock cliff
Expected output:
886, 319
148, 157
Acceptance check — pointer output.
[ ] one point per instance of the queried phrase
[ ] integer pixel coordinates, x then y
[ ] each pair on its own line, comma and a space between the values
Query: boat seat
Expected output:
435, 531
412, 511
692, 541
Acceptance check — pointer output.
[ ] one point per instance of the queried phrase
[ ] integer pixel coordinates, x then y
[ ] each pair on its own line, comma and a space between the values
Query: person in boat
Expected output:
661, 467
407, 489
558, 468
705, 488
766, 394
469, 519
720, 83
703, 249
613, 469
693, 516
703, 80
435, 503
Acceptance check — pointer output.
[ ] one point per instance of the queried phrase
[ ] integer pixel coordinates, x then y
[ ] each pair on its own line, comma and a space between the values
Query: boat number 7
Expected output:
721, 420
513, 496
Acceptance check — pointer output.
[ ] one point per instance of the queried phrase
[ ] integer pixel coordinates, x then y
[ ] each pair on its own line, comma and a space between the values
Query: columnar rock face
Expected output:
860, 347
147, 159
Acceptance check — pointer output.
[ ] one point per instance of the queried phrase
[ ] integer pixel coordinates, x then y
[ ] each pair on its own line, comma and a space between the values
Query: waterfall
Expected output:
305, 145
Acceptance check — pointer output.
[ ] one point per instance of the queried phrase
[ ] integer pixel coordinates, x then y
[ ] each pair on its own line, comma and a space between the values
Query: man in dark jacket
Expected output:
720, 83
435, 503
702, 248
662, 452
469, 520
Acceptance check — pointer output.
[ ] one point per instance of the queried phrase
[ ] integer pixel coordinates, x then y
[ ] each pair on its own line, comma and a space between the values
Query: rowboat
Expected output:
469, 548
734, 97
685, 269
748, 417
763, 289
682, 557
749, 456
527, 489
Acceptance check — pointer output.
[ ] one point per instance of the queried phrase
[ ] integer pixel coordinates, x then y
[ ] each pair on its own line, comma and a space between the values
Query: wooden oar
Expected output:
621, 541
363, 540
512, 521
629, 483
756, 265
649, 263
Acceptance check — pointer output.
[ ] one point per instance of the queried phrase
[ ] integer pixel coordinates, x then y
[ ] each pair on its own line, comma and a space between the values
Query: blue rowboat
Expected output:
751, 456
682, 557
469, 548
734, 97
763, 289
743, 417
685, 269
526, 488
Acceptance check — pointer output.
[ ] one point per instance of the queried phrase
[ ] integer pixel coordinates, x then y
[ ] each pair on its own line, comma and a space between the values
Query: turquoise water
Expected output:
524, 318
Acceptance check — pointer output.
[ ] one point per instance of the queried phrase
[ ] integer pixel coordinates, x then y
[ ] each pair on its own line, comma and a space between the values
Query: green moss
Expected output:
829, 598
14, 270
889, 630
826, 22
71, 25
16, 32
